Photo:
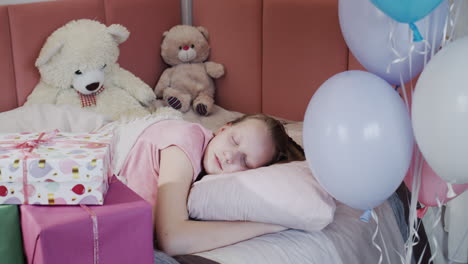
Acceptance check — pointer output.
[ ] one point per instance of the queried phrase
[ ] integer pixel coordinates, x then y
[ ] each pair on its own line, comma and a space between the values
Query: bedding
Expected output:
345, 240
44, 117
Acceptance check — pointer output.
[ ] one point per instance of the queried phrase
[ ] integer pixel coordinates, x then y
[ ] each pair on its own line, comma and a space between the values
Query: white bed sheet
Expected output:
290, 246
346, 240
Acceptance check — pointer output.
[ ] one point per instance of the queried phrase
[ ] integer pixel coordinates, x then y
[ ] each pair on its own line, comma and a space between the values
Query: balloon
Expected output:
357, 138
406, 11
367, 30
440, 112
432, 187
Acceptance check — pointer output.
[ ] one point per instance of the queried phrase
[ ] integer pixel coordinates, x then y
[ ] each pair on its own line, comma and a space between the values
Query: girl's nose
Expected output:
230, 157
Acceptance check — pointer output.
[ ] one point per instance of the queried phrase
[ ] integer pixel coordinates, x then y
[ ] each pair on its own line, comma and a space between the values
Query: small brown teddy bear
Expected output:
186, 49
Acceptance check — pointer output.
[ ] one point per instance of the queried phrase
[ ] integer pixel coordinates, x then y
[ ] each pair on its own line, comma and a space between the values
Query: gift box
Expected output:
120, 231
54, 168
11, 246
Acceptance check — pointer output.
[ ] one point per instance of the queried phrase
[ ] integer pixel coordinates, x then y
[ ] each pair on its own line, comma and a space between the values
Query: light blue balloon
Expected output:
407, 11
358, 138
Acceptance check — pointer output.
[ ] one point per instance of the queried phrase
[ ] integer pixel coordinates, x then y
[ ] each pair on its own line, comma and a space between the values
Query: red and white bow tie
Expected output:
89, 99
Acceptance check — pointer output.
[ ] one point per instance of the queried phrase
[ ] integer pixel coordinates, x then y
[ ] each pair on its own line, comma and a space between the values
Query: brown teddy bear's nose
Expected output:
92, 86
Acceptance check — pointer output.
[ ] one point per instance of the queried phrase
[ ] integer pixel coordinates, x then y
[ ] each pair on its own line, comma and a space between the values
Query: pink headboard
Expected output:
276, 52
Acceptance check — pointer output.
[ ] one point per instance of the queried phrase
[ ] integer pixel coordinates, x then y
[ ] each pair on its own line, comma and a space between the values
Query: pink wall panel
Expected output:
7, 76
31, 24
302, 47
146, 20
353, 63
235, 29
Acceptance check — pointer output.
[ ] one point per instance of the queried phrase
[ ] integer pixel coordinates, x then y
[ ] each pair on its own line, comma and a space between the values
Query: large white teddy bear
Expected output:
78, 66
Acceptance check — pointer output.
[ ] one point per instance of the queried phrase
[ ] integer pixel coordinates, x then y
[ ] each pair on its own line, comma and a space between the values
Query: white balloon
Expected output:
358, 138
440, 112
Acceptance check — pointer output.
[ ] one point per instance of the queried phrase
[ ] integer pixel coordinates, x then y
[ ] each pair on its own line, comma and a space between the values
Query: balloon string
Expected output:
451, 21
374, 216
399, 57
437, 220
383, 242
448, 21
437, 17
402, 259
454, 18
422, 254
412, 221
405, 96
427, 34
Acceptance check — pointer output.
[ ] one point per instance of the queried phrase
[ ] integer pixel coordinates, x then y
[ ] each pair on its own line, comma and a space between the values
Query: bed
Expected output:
265, 74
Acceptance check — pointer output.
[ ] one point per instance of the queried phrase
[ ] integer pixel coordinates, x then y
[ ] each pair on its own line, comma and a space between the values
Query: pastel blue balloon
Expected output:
367, 30
407, 11
358, 138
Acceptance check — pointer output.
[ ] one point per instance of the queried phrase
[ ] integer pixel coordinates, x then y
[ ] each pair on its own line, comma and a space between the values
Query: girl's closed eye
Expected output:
244, 163
234, 141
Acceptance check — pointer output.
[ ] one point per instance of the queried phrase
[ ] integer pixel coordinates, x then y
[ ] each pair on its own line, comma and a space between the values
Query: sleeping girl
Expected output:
169, 155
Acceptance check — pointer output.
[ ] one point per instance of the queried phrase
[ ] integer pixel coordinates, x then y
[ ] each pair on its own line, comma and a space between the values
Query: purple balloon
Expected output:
367, 30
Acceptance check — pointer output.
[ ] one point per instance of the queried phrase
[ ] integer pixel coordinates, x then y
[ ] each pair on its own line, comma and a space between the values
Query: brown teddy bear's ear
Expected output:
48, 51
118, 32
204, 32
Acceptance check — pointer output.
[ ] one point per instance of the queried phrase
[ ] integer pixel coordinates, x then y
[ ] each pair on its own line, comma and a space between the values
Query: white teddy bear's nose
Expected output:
92, 87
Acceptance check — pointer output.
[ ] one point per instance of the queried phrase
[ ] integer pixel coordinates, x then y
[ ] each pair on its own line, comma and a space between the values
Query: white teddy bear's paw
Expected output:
145, 96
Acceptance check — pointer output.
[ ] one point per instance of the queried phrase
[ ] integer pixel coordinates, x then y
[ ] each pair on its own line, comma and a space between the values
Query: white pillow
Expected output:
45, 117
285, 194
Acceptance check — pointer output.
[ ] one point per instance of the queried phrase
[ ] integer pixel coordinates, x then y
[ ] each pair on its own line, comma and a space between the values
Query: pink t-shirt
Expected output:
141, 168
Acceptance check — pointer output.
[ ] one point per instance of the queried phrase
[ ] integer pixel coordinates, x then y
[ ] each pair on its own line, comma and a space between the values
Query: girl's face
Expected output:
245, 145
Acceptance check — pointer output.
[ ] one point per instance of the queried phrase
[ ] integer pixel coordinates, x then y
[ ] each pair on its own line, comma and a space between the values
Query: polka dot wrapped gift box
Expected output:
54, 168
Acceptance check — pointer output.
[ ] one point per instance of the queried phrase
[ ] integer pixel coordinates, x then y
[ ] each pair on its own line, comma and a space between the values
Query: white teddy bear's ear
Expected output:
118, 32
204, 32
165, 33
47, 52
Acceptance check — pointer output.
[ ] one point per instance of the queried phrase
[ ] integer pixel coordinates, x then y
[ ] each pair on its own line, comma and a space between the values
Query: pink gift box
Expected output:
121, 232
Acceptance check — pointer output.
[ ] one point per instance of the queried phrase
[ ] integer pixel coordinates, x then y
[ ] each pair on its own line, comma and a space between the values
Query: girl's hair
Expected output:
286, 148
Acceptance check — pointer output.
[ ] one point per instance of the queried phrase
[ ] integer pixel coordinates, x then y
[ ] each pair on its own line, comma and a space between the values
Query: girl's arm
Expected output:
176, 234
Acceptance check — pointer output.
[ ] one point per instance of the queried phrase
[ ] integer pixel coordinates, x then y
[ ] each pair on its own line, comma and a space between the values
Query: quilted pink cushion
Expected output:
284, 194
